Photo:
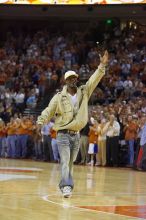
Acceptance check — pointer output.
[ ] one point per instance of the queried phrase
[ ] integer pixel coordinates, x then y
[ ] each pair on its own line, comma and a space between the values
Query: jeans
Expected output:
1, 141
21, 145
131, 151
47, 148
68, 146
55, 149
38, 149
3, 146
11, 140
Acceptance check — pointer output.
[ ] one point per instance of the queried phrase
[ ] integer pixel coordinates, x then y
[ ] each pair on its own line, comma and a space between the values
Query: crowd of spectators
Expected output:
116, 128
31, 63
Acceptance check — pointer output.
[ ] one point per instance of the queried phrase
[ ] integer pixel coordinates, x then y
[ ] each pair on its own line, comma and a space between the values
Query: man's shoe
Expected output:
67, 191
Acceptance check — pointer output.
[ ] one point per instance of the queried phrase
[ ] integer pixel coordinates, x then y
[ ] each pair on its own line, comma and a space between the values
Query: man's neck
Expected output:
72, 91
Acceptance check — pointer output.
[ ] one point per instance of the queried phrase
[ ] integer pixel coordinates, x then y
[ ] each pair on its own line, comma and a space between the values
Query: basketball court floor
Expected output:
29, 191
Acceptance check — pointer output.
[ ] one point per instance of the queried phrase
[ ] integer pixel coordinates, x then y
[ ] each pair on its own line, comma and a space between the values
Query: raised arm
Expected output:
98, 74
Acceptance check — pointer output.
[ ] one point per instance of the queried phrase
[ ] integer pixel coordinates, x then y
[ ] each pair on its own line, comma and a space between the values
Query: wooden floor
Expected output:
29, 191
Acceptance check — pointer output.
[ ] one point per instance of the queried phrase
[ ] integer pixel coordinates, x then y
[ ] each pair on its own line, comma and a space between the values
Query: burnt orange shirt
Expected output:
29, 128
11, 130
3, 132
21, 130
53, 134
92, 136
131, 131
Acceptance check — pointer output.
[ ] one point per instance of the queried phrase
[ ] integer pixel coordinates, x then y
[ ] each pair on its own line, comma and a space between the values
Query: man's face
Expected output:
112, 118
129, 118
71, 81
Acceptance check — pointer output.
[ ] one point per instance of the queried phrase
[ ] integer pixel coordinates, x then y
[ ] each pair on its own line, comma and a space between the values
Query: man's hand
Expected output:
104, 58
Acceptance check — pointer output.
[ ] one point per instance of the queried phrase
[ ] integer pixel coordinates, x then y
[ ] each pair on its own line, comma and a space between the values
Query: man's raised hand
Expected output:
104, 59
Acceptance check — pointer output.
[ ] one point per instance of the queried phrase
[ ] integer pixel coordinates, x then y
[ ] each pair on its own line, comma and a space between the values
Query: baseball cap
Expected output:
70, 73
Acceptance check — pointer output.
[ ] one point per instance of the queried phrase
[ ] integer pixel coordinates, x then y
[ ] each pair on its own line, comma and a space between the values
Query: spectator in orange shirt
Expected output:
130, 136
92, 141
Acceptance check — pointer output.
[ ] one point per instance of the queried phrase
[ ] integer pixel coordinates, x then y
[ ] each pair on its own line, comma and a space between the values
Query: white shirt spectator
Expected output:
47, 128
113, 130
19, 98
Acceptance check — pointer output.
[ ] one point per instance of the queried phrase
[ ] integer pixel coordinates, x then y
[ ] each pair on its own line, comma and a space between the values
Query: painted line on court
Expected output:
20, 169
112, 193
66, 205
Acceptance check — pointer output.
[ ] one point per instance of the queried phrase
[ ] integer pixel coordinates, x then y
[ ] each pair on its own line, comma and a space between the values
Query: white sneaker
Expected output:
91, 163
67, 191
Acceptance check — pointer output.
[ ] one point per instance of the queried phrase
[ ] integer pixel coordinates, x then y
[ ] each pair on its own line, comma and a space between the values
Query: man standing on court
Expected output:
70, 110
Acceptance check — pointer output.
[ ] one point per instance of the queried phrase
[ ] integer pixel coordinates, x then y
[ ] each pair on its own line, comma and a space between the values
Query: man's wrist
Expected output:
102, 65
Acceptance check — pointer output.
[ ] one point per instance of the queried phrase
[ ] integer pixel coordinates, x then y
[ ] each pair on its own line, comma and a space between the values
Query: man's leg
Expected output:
108, 152
74, 145
103, 147
115, 150
64, 151
131, 151
99, 154
45, 148
68, 149
55, 149
82, 149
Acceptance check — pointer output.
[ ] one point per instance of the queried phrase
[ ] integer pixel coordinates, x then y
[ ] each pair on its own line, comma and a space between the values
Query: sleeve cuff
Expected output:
101, 65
